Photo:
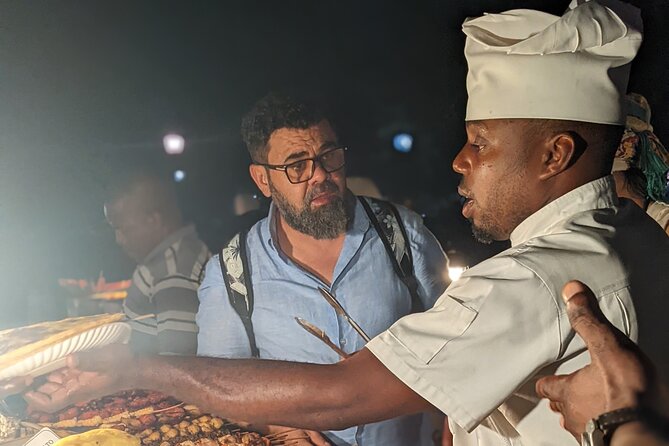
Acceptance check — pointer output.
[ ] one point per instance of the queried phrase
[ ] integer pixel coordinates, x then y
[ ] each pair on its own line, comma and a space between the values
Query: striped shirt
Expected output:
165, 285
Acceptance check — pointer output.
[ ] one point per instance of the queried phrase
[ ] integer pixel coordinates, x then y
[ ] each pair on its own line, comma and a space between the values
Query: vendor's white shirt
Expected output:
478, 352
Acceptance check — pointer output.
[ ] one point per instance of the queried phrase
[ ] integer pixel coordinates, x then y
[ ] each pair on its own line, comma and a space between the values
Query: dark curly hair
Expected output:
273, 112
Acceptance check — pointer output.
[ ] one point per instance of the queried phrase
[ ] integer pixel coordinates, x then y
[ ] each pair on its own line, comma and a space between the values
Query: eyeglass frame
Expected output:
315, 159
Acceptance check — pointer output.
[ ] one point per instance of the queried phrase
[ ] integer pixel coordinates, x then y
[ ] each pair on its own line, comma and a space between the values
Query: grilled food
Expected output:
153, 418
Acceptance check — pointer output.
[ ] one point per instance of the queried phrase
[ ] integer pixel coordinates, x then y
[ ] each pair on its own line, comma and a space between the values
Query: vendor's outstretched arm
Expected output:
323, 397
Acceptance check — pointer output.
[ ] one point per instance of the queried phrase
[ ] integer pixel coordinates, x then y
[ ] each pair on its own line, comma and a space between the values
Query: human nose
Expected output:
461, 163
320, 174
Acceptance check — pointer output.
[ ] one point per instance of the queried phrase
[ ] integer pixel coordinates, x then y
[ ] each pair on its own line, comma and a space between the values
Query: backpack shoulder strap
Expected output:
388, 224
234, 267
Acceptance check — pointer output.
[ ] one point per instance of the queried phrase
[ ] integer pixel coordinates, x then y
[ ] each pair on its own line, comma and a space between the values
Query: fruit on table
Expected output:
100, 437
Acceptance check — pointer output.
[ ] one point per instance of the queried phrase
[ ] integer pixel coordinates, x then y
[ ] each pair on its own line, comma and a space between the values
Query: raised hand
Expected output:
617, 377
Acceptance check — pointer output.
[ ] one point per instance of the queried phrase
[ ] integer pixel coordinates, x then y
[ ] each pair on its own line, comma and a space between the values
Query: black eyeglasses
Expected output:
303, 170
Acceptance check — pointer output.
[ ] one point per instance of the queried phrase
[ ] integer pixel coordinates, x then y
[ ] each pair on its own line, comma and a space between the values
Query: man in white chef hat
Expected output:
543, 122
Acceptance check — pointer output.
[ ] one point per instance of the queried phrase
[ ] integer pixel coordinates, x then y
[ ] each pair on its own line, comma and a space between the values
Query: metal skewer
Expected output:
329, 297
320, 334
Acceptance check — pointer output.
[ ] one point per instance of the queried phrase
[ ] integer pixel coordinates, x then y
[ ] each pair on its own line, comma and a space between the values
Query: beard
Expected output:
326, 222
481, 234
496, 222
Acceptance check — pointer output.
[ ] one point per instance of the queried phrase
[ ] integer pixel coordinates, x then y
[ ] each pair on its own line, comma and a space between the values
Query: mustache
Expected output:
324, 187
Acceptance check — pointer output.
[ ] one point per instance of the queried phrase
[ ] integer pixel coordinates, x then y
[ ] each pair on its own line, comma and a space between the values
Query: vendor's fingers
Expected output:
553, 387
71, 373
49, 387
63, 375
38, 401
57, 377
317, 439
60, 397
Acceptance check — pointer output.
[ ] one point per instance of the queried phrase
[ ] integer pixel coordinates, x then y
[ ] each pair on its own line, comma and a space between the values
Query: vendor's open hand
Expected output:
64, 387
615, 378
87, 375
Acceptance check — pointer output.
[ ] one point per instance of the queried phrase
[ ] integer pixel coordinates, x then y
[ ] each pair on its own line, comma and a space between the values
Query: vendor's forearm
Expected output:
356, 391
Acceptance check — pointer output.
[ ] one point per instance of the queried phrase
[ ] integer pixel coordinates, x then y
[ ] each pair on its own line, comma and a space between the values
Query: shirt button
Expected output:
342, 341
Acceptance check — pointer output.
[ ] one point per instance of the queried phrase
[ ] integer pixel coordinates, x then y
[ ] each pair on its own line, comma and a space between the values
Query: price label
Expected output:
45, 437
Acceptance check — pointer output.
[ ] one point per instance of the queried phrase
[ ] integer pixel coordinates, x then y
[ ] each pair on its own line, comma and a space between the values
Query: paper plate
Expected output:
54, 356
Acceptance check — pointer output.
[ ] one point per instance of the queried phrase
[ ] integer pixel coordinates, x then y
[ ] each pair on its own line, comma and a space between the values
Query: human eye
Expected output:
478, 144
297, 167
327, 156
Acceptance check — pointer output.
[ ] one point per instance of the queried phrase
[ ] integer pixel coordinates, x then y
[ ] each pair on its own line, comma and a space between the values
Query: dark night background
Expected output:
88, 88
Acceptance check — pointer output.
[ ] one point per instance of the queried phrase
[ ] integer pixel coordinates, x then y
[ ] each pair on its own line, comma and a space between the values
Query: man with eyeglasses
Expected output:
317, 234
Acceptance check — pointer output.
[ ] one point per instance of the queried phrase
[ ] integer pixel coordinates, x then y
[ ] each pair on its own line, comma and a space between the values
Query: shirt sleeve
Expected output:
176, 305
429, 260
221, 332
486, 335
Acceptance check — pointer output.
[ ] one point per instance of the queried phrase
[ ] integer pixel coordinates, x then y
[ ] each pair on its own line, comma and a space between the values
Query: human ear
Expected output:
259, 176
560, 152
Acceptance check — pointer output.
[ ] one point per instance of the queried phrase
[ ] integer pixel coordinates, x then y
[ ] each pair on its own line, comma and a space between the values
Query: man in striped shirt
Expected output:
149, 227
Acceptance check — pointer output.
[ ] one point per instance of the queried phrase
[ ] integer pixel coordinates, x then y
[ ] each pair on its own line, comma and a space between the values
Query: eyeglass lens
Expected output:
303, 170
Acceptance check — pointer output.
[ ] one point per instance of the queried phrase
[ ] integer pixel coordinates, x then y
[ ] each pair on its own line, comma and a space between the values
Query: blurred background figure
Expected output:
142, 210
641, 163
245, 202
249, 208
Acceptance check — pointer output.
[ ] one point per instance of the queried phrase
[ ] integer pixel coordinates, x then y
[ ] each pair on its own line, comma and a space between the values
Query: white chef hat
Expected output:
530, 64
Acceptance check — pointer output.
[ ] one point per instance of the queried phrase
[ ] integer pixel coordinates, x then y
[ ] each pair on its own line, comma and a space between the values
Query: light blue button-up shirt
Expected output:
364, 282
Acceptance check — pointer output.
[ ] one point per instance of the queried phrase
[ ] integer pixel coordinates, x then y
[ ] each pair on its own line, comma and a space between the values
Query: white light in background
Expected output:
179, 175
454, 272
403, 142
174, 144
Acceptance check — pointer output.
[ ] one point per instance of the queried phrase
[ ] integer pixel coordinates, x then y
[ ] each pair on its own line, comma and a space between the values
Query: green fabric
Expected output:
653, 166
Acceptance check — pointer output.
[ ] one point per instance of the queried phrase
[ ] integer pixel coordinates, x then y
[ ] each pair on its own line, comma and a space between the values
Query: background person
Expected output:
641, 163
143, 211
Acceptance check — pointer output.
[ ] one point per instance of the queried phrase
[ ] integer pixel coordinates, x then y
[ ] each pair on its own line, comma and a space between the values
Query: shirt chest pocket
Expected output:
427, 334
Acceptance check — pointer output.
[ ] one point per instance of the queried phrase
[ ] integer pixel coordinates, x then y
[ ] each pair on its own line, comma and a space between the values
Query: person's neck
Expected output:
162, 233
318, 256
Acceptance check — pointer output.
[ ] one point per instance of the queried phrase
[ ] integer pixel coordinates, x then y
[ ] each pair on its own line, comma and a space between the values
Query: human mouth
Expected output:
324, 194
468, 203
323, 199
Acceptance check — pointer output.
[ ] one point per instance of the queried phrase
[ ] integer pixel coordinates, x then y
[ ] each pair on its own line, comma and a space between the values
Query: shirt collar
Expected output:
268, 226
169, 241
597, 194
